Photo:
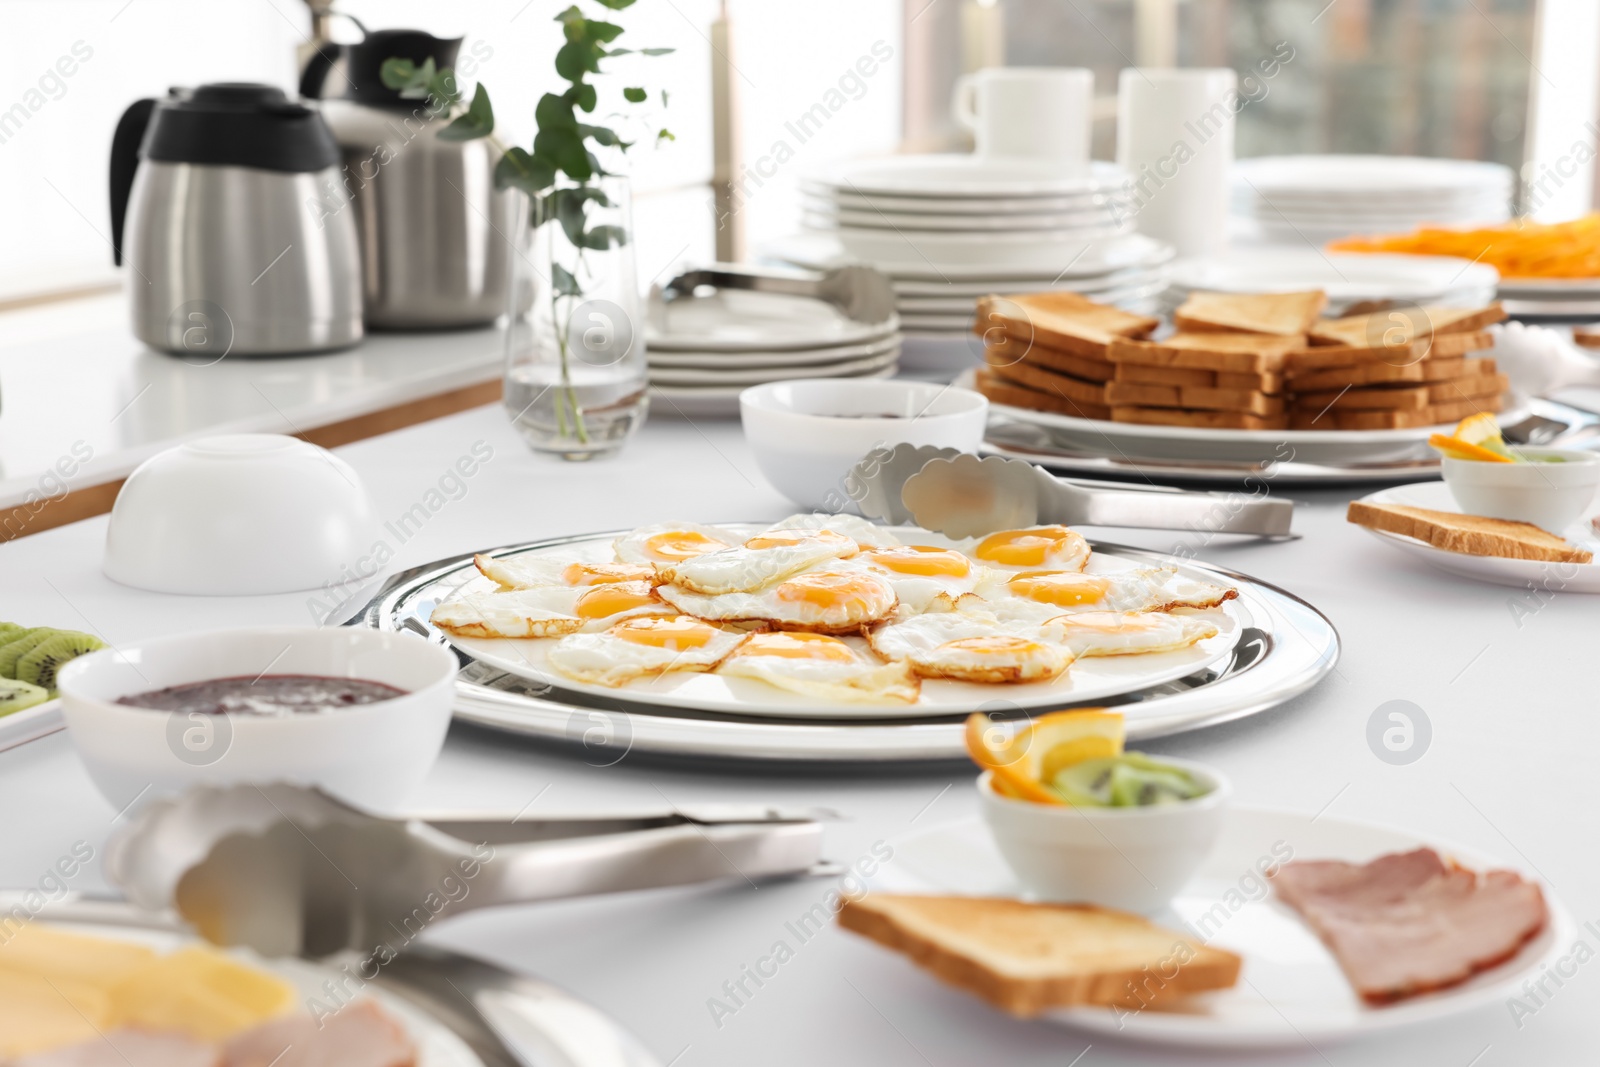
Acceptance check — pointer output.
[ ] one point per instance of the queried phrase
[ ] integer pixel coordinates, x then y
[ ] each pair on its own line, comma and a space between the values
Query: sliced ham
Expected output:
358, 1035
129, 1048
1409, 922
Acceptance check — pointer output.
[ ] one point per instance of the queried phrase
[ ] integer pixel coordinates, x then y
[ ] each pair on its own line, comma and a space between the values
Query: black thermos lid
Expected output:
239, 124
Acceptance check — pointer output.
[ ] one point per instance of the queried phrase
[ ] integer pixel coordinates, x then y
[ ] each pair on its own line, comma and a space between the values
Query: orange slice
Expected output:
1024, 763
1456, 448
993, 749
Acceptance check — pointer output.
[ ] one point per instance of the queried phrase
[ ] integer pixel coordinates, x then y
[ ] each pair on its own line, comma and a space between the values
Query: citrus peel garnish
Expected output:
1025, 762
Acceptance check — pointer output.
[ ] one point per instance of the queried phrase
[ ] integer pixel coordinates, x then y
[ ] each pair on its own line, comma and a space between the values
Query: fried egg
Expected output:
760, 561
1038, 548
534, 571
547, 611
820, 666
1041, 595
1125, 633
642, 648
924, 578
824, 601
670, 542
861, 531
971, 647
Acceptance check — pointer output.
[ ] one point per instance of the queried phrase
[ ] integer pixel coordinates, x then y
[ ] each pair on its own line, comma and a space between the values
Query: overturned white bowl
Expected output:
806, 434
239, 515
372, 755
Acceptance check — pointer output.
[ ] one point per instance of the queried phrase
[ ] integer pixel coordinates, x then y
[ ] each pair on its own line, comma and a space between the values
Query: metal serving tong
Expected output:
862, 294
290, 871
960, 495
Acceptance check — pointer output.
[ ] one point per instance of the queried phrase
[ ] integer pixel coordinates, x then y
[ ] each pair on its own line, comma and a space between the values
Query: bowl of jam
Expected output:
357, 713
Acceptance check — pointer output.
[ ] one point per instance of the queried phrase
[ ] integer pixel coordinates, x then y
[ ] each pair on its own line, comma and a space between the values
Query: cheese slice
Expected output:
199, 992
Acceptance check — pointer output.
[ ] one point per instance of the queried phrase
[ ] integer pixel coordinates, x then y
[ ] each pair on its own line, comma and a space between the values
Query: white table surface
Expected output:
1508, 772
76, 383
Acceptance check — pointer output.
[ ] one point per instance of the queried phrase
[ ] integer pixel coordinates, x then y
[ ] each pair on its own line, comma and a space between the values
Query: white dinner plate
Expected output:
1370, 181
958, 176
836, 199
821, 251
719, 401
962, 317
1179, 443
754, 375
1575, 289
437, 1045
1040, 251
762, 358
1522, 573
750, 319
1290, 990
1098, 218
1092, 678
955, 301
1085, 284
1343, 276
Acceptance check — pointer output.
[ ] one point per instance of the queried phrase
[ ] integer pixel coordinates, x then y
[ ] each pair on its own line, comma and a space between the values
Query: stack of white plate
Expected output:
1347, 278
706, 349
1316, 199
949, 229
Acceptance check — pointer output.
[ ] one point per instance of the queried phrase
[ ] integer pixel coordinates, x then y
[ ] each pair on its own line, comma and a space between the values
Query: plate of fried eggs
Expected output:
833, 616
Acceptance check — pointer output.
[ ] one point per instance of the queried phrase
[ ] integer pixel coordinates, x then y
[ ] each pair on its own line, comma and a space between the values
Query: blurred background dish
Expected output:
1346, 278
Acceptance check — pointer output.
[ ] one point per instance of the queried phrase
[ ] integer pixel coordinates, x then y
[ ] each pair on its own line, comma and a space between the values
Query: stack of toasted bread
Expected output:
1238, 361
1396, 369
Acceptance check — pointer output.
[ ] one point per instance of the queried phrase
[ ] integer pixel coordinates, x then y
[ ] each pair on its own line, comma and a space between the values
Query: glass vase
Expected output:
576, 374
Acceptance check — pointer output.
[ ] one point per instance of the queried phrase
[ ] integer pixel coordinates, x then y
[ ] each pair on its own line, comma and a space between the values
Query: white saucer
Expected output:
762, 358
1290, 991
755, 375
749, 320
1522, 573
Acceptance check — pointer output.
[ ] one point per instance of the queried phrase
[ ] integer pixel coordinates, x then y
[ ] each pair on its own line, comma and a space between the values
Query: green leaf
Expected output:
554, 112
615, 5
565, 149
564, 281
604, 237
417, 87
577, 58
442, 88
582, 95
396, 73
569, 211
600, 135
656, 51
664, 135
602, 32
477, 121
663, 98
519, 170
634, 96
620, 52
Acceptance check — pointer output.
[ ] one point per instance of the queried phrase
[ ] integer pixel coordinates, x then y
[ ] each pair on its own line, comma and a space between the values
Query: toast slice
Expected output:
1144, 394
1275, 314
1028, 958
1009, 350
1446, 346
1066, 321
1429, 370
1441, 415
1397, 326
1234, 353
1001, 391
1404, 398
1210, 379
1205, 420
1471, 535
1048, 381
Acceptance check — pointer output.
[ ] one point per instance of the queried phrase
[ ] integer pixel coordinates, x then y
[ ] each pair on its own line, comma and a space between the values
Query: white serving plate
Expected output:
750, 319
1037, 251
910, 307
1094, 678
1551, 288
1088, 285
1013, 222
437, 1045
1522, 573
1370, 181
844, 199
763, 358
1290, 991
1344, 277
755, 375
1134, 441
960, 176
30, 724
821, 251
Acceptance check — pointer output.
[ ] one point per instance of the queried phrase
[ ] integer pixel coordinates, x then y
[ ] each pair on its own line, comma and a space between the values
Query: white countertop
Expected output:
74, 382
1510, 697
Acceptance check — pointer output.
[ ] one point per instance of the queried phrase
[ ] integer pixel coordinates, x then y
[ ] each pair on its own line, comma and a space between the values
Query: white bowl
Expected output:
239, 515
1135, 859
807, 434
1551, 495
372, 755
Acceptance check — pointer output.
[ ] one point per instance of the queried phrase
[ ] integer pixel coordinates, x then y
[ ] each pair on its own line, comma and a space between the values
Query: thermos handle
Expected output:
317, 68
124, 162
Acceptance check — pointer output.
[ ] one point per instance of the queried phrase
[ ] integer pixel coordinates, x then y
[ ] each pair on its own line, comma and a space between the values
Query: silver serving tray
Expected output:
507, 1020
1547, 423
1286, 650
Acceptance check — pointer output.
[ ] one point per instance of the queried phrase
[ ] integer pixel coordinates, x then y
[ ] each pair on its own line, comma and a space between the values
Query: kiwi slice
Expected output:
40, 663
7, 629
13, 649
15, 696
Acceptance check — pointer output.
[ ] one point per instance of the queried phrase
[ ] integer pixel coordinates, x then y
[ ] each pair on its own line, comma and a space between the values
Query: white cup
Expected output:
1029, 113
1175, 136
